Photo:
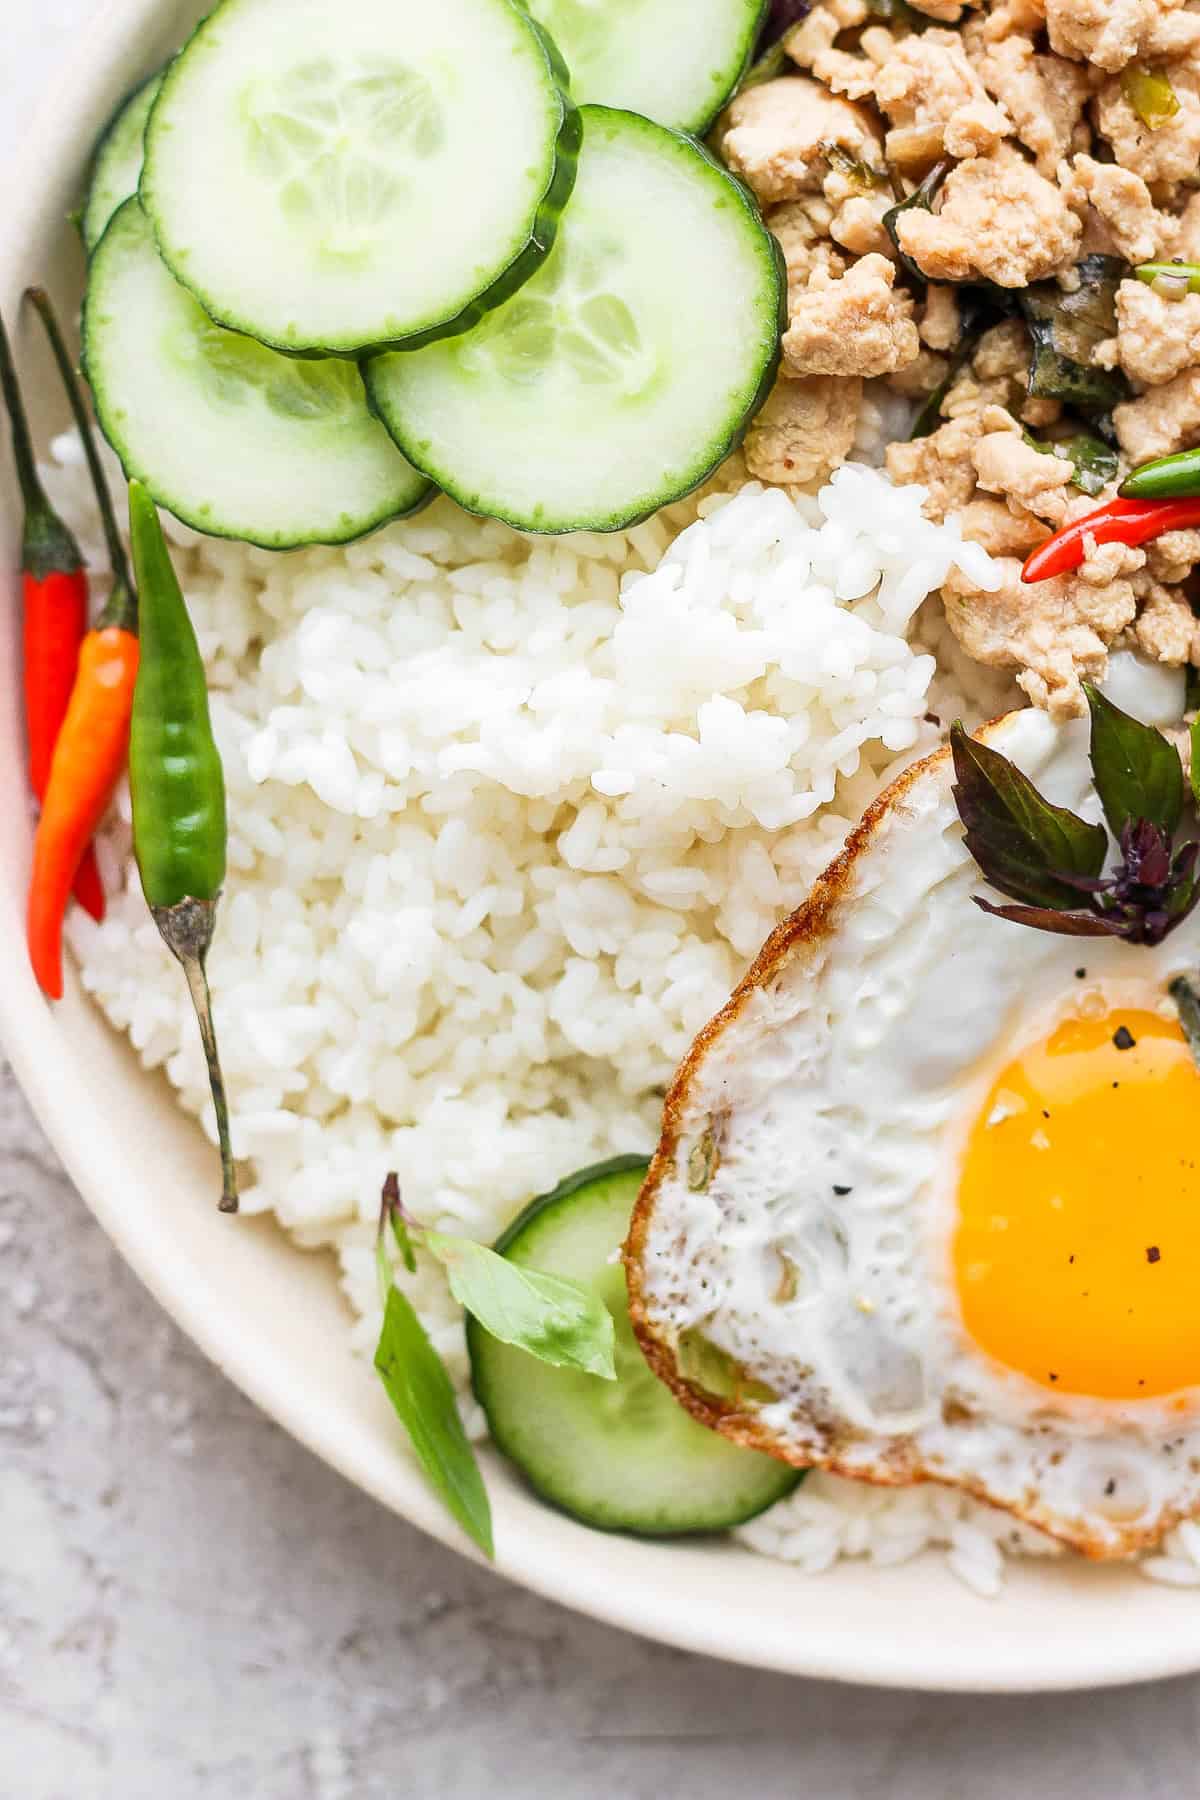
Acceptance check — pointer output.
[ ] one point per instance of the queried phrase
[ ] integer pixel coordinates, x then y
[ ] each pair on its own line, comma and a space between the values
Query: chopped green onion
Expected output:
1150, 94
861, 176
1185, 274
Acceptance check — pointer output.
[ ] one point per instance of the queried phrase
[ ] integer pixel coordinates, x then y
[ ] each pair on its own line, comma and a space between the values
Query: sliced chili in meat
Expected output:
1118, 521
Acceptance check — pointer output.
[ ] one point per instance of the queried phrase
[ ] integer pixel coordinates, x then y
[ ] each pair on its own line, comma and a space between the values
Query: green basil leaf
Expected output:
920, 200
773, 62
1195, 758
548, 1317
978, 311
419, 1388
1137, 771
1095, 461
1021, 843
1065, 329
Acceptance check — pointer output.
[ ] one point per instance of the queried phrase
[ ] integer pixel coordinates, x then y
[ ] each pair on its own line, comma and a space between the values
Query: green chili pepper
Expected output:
1150, 94
1185, 275
1166, 478
178, 789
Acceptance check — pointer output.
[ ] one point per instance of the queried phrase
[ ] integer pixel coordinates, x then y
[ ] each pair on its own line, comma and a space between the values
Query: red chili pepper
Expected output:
54, 591
1131, 522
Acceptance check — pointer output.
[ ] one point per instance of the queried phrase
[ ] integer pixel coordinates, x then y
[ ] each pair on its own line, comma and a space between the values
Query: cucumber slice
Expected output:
332, 178
623, 373
232, 438
677, 61
623, 1455
117, 164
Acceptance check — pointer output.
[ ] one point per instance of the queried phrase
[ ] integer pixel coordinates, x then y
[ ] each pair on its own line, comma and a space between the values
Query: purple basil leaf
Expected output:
781, 16
1066, 924
1024, 846
1137, 770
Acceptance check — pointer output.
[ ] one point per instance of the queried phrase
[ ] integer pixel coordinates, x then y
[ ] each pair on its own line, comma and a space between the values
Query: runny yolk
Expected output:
1077, 1252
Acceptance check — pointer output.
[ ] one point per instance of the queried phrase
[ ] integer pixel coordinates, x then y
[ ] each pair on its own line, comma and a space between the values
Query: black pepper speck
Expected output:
1153, 1253
1123, 1038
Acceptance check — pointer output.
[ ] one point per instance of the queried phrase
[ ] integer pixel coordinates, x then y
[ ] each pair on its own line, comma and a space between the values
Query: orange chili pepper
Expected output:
88, 761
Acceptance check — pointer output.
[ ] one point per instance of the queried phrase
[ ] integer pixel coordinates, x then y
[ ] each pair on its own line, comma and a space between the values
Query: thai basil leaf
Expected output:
1095, 461
773, 62
1064, 924
978, 311
1136, 770
1022, 844
1066, 328
555, 1320
781, 16
1150, 94
419, 1388
920, 200
1191, 694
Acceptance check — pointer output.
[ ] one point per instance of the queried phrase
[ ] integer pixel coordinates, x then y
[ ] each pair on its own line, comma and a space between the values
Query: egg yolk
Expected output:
1077, 1250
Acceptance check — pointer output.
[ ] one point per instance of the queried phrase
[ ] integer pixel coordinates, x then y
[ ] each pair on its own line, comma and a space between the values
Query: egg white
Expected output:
856, 1057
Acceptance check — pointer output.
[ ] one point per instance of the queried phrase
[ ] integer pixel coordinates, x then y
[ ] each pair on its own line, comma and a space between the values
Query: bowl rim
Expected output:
910, 1628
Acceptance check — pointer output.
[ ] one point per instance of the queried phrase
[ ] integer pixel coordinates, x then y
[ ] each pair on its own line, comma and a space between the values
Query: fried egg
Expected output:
927, 1200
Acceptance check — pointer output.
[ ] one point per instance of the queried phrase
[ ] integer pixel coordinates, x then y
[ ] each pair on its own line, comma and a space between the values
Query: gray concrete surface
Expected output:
192, 1608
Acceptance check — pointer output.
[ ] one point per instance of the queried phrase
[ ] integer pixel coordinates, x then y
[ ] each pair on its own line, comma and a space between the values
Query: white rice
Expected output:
508, 818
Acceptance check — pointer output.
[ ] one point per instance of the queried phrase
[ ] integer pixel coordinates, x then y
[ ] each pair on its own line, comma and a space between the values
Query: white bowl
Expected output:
271, 1316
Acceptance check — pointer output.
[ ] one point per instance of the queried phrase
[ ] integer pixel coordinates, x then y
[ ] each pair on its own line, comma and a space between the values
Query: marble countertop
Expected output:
192, 1608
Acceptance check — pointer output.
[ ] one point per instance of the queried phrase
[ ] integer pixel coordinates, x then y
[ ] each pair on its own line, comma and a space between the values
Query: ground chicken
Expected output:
935, 102
1007, 465
918, 379
999, 221
942, 465
1138, 231
1013, 17
1161, 421
1043, 96
858, 225
1168, 153
1157, 339
1054, 633
1172, 557
804, 431
941, 321
820, 28
856, 324
948, 12
802, 229
1187, 231
775, 136
1110, 33
1002, 530
1165, 628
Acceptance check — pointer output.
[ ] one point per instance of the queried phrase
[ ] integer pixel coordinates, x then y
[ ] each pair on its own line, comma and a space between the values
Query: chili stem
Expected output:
48, 548
187, 931
32, 491
121, 608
